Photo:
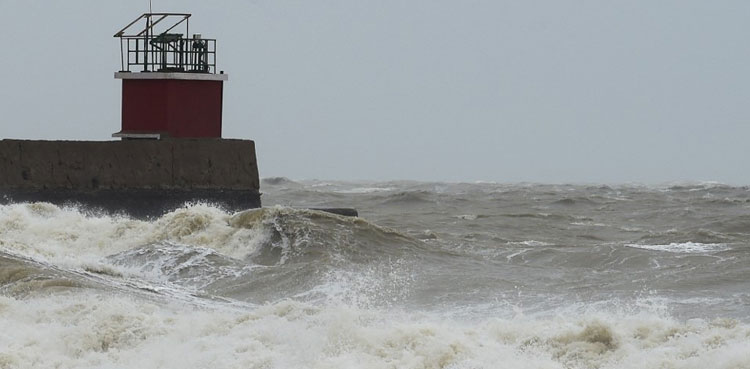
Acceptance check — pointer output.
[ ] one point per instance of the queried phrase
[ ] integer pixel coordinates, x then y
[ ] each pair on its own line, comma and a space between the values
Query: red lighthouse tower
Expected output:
170, 86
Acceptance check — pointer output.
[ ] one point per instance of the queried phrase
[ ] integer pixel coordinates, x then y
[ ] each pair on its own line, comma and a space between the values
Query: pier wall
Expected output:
147, 176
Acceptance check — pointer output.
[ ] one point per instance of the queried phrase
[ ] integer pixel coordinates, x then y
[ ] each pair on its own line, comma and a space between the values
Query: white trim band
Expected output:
172, 75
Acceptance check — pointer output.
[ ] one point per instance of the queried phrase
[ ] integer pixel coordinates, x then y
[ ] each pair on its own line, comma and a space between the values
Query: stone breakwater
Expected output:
136, 177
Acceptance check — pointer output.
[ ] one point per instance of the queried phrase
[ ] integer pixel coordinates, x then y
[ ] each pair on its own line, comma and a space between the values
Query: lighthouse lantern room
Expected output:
170, 85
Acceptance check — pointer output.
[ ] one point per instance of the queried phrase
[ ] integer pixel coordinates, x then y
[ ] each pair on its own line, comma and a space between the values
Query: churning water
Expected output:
432, 275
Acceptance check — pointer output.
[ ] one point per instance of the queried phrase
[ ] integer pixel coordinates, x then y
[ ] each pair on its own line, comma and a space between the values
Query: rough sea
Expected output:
431, 275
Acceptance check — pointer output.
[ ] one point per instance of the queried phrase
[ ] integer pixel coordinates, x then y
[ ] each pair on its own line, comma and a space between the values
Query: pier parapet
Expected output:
136, 177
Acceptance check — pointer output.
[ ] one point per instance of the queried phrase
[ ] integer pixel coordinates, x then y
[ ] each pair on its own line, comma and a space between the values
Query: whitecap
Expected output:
531, 243
587, 224
684, 247
364, 190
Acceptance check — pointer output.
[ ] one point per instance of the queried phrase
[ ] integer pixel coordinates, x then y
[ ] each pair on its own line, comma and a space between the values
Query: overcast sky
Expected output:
508, 91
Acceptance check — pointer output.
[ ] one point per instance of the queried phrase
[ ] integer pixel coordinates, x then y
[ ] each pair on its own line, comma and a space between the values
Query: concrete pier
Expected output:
140, 178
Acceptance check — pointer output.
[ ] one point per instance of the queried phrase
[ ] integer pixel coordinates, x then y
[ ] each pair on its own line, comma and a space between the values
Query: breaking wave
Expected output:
437, 276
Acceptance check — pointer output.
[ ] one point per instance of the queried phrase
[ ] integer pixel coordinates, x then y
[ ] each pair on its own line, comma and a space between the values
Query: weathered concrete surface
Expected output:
130, 164
137, 177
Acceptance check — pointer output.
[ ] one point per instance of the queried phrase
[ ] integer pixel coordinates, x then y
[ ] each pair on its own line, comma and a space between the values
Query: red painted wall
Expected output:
179, 108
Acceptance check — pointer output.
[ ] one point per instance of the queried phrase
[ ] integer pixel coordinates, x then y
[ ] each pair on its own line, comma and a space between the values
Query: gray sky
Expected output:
508, 91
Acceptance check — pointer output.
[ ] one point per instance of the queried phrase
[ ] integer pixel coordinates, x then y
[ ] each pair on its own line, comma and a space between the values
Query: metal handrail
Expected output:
170, 53
161, 51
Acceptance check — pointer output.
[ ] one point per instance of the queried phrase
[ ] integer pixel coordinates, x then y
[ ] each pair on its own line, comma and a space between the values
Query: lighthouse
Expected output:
170, 85
170, 150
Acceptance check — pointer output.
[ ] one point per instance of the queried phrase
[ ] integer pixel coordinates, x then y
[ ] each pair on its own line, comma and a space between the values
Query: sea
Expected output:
430, 275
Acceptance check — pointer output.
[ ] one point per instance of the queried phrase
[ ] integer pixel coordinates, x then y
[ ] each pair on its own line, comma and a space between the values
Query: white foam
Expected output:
364, 190
86, 330
531, 243
588, 224
684, 247
69, 237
